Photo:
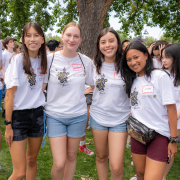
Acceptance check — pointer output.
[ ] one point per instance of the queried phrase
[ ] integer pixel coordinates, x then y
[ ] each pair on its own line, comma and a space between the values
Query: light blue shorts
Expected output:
72, 127
119, 128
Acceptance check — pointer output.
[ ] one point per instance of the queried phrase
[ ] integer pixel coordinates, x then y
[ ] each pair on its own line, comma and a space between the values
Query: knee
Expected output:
116, 170
140, 175
59, 166
71, 157
31, 161
101, 158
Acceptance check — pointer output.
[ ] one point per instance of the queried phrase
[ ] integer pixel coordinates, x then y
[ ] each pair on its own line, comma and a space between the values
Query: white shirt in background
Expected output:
6, 56
65, 93
148, 99
111, 105
29, 88
177, 92
157, 64
0, 50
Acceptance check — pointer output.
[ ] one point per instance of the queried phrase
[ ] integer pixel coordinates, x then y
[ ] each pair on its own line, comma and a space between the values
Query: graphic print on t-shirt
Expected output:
134, 99
100, 83
63, 77
32, 80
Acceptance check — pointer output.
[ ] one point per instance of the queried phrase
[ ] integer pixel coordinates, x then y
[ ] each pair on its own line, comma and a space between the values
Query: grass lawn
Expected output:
86, 165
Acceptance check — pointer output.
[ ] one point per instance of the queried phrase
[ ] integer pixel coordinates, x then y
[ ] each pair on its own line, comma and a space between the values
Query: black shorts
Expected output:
27, 123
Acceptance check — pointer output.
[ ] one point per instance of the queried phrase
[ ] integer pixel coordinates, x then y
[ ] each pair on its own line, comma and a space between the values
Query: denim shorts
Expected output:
119, 128
72, 127
27, 123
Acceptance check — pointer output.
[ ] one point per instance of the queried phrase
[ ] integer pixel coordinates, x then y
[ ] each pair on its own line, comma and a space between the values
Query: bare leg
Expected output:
168, 167
34, 144
72, 148
154, 169
101, 145
58, 148
139, 164
18, 156
117, 143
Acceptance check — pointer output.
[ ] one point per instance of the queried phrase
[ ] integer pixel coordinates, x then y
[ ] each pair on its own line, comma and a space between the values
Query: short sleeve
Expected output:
167, 90
0, 50
49, 60
12, 72
89, 73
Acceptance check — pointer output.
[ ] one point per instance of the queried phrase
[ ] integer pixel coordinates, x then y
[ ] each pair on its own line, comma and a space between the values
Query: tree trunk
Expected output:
92, 14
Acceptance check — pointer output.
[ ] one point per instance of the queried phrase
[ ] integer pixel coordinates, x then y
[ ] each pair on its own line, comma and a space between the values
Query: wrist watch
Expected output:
173, 140
7, 122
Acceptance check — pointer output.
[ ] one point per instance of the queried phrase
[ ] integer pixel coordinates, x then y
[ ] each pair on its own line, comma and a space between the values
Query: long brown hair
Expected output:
98, 56
41, 53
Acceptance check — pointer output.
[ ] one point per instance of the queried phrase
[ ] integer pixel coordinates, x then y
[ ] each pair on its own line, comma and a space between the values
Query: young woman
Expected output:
153, 104
155, 52
24, 103
110, 106
171, 61
66, 108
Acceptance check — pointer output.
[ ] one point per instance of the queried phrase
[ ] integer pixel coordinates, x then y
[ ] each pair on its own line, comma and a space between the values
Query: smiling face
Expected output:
167, 62
157, 54
71, 38
136, 60
108, 45
33, 41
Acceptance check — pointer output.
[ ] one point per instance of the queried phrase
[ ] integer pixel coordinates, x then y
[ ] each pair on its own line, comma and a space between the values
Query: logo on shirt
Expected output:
134, 98
100, 83
63, 77
32, 80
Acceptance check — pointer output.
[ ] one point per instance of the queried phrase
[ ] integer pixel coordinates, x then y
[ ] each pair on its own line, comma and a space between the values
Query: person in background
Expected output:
6, 56
52, 45
170, 58
88, 93
60, 47
138, 39
16, 48
124, 44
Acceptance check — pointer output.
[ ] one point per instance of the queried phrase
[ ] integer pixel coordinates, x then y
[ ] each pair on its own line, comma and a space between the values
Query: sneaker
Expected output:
134, 178
86, 150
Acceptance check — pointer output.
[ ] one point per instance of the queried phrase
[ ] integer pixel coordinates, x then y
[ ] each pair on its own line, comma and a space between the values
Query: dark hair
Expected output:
127, 73
98, 56
173, 51
41, 53
15, 47
157, 44
52, 44
6, 41
124, 42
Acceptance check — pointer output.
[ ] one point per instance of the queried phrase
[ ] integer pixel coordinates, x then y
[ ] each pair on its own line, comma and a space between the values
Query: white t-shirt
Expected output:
148, 100
157, 64
0, 50
29, 88
177, 92
111, 105
6, 57
65, 93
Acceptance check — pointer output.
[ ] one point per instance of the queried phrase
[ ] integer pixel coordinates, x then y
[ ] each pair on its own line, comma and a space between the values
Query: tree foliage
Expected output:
133, 15
14, 14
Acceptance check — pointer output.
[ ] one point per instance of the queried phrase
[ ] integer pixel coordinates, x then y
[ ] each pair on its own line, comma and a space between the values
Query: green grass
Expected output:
86, 165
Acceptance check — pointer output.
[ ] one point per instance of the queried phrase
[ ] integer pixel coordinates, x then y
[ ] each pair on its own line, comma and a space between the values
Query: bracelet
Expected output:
173, 139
